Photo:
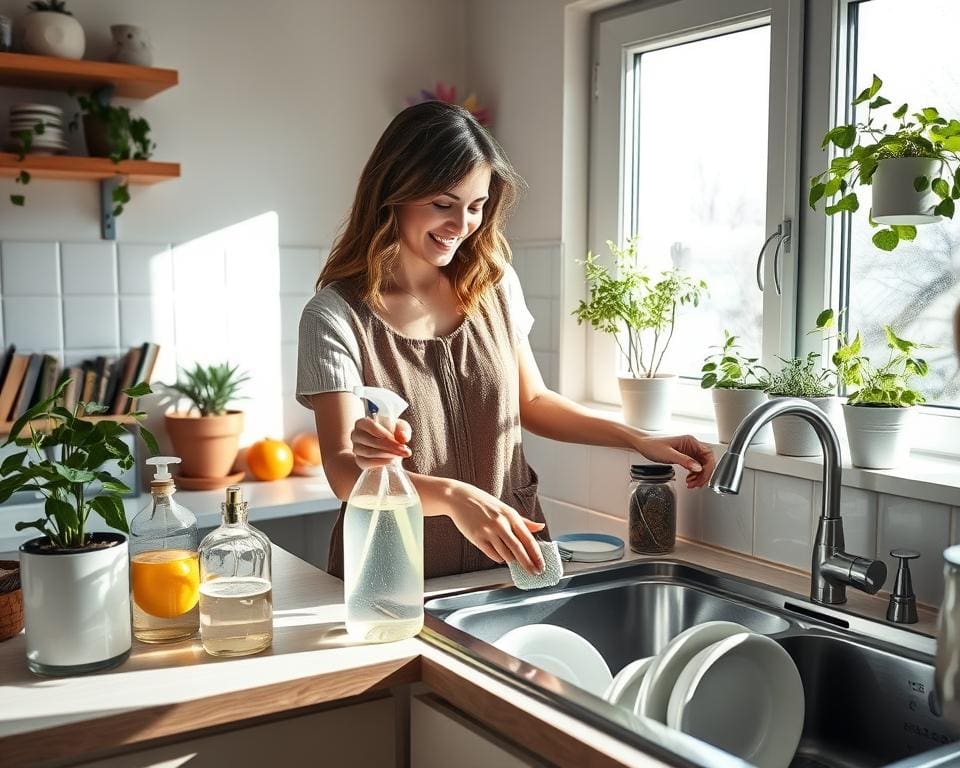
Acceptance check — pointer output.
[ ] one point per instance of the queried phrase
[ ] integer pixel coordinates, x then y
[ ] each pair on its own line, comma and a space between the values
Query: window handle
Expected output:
763, 247
782, 234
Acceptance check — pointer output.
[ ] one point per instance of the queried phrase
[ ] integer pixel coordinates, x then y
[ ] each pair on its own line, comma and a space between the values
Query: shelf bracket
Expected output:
108, 222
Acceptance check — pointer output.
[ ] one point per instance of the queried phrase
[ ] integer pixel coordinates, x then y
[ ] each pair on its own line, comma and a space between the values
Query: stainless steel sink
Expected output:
867, 684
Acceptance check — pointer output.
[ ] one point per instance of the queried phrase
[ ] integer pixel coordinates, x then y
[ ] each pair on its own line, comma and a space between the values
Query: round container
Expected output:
652, 509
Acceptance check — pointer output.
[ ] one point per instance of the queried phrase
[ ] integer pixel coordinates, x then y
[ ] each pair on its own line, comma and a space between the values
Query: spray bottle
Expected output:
383, 542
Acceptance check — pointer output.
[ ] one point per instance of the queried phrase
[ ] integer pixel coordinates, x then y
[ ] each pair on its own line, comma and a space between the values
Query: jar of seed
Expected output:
652, 508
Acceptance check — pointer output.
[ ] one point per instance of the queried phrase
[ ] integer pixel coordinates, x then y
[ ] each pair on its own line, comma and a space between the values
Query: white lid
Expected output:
952, 555
161, 463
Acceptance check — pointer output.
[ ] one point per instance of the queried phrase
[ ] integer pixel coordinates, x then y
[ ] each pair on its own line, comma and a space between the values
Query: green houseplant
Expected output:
912, 167
207, 442
801, 377
880, 400
644, 306
738, 385
75, 582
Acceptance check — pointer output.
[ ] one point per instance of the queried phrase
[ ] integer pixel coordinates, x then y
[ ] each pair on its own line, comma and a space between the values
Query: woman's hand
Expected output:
696, 457
495, 528
374, 446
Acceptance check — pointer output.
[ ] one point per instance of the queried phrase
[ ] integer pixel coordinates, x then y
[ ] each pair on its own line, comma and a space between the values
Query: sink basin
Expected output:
867, 684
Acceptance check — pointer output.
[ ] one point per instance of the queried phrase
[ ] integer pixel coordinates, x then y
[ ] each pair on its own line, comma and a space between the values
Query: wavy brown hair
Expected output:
426, 150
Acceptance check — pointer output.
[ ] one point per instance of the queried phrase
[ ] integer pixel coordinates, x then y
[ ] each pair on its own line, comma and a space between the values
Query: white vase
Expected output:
76, 606
732, 406
895, 201
795, 437
879, 436
648, 402
48, 33
131, 45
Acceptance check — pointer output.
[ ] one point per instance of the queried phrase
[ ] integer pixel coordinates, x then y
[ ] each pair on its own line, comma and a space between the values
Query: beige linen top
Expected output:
463, 391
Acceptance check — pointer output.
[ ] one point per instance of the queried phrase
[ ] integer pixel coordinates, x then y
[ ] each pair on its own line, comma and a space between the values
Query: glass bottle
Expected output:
164, 569
236, 597
652, 509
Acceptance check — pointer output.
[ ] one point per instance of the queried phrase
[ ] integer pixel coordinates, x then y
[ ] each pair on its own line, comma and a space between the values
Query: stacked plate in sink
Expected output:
27, 117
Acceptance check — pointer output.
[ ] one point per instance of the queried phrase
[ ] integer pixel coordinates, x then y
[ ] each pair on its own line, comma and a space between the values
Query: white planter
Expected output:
647, 403
895, 201
76, 606
732, 406
879, 437
48, 33
795, 437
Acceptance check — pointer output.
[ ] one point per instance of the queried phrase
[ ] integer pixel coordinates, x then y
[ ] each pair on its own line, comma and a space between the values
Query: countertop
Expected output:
172, 690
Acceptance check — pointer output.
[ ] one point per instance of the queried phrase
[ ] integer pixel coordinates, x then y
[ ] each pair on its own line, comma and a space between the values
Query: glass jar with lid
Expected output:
652, 509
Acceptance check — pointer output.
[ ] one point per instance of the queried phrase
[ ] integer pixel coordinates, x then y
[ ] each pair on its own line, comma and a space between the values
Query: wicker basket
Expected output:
11, 599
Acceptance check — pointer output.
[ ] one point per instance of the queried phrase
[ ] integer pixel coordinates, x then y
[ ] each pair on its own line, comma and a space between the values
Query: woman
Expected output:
418, 296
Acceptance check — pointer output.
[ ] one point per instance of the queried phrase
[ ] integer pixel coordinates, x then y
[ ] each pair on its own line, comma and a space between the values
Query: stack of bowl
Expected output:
26, 117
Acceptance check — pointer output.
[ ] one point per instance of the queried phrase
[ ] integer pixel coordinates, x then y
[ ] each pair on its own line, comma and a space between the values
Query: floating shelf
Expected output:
24, 70
87, 168
42, 425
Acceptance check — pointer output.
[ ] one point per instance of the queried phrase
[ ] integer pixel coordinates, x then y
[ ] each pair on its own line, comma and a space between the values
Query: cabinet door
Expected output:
360, 735
440, 736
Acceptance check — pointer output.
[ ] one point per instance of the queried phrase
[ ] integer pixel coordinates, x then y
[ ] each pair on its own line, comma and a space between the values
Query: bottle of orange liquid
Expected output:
164, 564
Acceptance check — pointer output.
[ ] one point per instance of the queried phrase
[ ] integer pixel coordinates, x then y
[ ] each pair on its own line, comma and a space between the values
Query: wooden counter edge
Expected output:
91, 739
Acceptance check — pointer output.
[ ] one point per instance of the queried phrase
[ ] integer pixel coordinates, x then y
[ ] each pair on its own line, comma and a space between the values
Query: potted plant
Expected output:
800, 377
49, 29
878, 410
645, 306
75, 583
739, 385
207, 442
912, 168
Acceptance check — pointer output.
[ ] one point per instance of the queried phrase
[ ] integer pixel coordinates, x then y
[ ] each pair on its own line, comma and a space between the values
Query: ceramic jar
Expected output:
131, 45
48, 33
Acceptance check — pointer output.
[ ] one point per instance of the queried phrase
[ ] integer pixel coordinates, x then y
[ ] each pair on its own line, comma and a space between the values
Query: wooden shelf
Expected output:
26, 70
42, 425
87, 168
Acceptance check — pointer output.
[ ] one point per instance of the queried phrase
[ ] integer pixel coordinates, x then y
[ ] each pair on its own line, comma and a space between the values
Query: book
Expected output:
47, 382
7, 359
149, 353
11, 384
109, 392
130, 365
89, 380
99, 382
71, 395
27, 389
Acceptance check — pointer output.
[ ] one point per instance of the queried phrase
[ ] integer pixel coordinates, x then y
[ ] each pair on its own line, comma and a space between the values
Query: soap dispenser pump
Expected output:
164, 568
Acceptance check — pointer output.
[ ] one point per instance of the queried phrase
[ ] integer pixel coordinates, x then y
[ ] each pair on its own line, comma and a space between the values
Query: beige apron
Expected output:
463, 391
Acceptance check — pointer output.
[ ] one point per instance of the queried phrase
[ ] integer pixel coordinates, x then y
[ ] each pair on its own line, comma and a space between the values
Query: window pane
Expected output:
916, 287
701, 181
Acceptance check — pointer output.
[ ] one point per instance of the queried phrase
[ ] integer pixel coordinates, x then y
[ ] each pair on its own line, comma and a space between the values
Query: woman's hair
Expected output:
426, 150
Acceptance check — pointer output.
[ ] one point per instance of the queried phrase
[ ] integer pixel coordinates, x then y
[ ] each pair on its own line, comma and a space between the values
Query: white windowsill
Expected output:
925, 477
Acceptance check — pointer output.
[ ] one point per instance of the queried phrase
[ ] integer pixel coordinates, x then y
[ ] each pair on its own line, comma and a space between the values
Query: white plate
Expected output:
625, 686
744, 695
560, 652
658, 683
47, 109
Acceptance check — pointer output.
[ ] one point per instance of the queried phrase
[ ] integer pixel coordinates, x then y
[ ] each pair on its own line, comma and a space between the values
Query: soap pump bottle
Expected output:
164, 568
383, 542
236, 597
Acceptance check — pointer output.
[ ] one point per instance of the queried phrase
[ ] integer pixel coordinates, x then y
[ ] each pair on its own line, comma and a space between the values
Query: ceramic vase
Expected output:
793, 436
206, 445
48, 33
648, 402
76, 605
895, 201
732, 406
878, 436
131, 45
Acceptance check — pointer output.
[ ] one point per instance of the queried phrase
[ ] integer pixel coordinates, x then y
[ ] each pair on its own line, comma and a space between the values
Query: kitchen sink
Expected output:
868, 685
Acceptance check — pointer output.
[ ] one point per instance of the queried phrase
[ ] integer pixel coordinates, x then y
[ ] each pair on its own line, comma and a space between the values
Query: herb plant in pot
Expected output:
912, 167
882, 402
75, 583
645, 306
207, 441
800, 377
738, 386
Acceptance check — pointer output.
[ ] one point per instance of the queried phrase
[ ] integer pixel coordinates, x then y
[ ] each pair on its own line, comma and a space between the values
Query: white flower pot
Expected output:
76, 606
895, 201
48, 33
795, 437
732, 406
647, 403
879, 436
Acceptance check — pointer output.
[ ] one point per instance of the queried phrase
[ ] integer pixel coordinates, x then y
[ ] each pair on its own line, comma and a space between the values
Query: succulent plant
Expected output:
53, 6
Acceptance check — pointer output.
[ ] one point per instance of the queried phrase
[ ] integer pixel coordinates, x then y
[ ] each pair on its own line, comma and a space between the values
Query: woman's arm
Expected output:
554, 416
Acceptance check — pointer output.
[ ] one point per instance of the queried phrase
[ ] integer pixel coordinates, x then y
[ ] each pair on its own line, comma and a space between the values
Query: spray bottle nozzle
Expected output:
383, 405
161, 463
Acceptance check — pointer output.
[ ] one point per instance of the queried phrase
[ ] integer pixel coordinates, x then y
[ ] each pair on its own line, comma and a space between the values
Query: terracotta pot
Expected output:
206, 445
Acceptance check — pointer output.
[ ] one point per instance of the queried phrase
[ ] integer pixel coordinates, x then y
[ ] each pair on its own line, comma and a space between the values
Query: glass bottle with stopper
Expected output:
236, 596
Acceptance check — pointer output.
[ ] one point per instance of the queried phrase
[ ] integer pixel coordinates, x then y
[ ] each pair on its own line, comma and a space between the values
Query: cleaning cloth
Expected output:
552, 569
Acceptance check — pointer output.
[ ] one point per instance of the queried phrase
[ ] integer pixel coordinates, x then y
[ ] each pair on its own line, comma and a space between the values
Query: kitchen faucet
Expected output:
832, 569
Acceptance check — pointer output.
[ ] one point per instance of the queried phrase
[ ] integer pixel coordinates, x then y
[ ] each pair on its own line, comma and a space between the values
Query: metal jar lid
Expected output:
651, 473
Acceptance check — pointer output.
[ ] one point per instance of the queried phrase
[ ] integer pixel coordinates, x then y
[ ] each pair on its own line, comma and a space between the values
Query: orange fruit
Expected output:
306, 449
166, 582
269, 459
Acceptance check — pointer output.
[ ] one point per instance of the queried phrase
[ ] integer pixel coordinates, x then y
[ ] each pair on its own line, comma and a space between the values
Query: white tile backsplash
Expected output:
88, 268
146, 318
783, 515
90, 321
609, 480
921, 525
145, 269
30, 269
727, 521
858, 508
33, 323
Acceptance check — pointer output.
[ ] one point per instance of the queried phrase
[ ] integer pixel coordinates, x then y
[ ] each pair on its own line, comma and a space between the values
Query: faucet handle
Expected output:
903, 600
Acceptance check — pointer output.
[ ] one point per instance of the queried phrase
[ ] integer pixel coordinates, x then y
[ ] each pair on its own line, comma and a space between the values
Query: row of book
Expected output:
30, 377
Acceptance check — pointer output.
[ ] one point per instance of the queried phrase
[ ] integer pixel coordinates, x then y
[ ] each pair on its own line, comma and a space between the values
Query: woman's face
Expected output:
432, 229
